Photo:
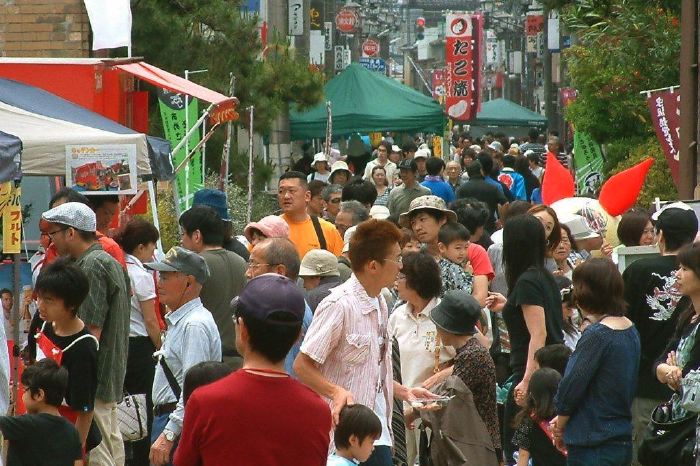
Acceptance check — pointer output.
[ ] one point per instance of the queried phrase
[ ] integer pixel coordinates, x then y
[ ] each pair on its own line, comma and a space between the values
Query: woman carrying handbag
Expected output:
670, 438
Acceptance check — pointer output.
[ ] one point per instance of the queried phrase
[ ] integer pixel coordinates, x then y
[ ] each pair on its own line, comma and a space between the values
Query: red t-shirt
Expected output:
108, 244
252, 420
479, 260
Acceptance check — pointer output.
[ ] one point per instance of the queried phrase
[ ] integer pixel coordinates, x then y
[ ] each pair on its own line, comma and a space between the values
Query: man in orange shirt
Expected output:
305, 232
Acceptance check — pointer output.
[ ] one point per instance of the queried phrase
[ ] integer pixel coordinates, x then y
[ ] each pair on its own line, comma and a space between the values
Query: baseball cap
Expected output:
212, 198
268, 295
319, 263
271, 226
72, 214
395, 148
408, 164
495, 145
379, 212
428, 202
422, 154
457, 313
182, 260
676, 218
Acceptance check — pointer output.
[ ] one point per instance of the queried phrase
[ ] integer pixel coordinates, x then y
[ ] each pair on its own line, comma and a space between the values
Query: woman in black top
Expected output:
532, 311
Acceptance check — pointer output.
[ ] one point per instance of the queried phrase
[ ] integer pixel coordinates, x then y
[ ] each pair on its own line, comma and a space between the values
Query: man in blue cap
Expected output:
217, 200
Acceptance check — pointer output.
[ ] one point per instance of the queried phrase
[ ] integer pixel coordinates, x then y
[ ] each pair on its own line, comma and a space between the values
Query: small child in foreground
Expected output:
453, 243
354, 436
42, 437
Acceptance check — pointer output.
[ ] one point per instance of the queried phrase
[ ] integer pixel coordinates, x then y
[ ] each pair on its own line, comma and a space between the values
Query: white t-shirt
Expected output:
143, 288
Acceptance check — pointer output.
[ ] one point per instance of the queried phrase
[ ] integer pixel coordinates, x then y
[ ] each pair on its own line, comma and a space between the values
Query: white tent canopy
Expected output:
45, 139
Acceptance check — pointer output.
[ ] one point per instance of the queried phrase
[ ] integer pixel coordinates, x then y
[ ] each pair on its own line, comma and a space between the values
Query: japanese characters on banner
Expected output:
296, 18
464, 41
665, 107
11, 219
438, 83
534, 28
588, 160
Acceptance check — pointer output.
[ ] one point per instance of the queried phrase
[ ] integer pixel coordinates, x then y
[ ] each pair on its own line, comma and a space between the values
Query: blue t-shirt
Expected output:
441, 189
294, 351
599, 385
335, 460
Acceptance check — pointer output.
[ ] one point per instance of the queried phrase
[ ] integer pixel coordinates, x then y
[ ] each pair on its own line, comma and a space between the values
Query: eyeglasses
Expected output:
335, 201
398, 261
51, 233
252, 265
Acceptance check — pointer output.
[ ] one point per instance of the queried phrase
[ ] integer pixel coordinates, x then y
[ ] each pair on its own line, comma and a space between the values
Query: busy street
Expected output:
350, 232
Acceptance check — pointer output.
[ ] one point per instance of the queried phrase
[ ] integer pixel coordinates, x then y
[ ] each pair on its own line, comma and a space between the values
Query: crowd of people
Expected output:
421, 310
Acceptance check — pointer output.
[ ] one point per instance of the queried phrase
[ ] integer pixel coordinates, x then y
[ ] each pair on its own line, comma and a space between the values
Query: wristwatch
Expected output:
169, 436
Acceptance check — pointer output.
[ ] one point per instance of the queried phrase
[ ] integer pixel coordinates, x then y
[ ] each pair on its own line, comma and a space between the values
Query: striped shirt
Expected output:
348, 338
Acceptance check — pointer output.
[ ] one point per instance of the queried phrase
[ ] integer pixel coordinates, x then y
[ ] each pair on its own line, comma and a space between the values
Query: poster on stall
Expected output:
101, 169
12, 220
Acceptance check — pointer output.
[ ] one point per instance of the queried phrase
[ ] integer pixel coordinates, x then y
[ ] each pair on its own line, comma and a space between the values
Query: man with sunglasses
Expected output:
345, 355
192, 337
72, 229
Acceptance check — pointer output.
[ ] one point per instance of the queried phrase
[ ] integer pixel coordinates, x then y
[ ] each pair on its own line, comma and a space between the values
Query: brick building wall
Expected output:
44, 28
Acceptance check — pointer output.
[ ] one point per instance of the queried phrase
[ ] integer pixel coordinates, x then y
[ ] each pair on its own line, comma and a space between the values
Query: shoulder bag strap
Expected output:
172, 381
319, 232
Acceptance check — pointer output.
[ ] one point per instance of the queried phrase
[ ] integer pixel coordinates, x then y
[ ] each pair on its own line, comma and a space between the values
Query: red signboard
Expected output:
370, 48
346, 20
665, 113
438, 82
534, 24
463, 66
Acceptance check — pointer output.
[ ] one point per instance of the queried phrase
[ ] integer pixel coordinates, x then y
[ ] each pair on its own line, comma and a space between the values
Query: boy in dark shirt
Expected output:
43, 437
61, 287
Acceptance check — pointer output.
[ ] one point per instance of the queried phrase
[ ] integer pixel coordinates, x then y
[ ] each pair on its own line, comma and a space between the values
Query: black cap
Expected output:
677, 218
457, 313
269, 294
408, 164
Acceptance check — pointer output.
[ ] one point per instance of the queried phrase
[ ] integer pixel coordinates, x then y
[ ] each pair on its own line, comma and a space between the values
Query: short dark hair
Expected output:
631, 226
422, 274
372, 240
281, 251
272, 340
207, 221
290, 175
64, 280
599, 288
409, 146
316, 187
434, 165
203, 373
474, 170
48, 376
360, 190
98, 201
69, 195
406, 236
509, 160
357, 420
6, 290
471, 213
387, 146
533, 134
137, 231
451, 232
486, 161
516, 207
553, 356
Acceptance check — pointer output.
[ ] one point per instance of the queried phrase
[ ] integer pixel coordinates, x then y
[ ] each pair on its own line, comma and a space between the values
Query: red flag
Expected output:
620, 192
558, 182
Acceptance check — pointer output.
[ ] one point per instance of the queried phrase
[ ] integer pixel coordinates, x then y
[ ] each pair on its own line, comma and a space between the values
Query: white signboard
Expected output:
339, 56
101, 169
317, 49
296, 17
328, 34
553, 30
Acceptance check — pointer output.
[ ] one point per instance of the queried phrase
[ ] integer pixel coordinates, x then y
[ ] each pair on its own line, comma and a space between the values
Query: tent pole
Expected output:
194, 128
196, 148
14, 357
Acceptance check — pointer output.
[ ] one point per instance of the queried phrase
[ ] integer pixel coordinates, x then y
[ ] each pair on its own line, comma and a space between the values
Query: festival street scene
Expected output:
350, 232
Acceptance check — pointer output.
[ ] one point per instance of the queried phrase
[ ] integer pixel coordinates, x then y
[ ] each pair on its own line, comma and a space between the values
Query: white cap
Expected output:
422, 154
320, 157
379, 212
579, 226
72, 214
395, 148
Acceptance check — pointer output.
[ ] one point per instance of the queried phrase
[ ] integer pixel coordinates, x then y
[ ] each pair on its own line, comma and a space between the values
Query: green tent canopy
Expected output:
364, 101
502, 112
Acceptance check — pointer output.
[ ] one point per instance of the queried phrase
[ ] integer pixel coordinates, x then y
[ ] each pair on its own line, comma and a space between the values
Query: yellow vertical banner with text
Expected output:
12, 223
437, 146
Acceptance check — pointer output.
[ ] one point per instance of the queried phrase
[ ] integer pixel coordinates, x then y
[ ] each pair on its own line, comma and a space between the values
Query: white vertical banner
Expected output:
328, 34
317, 48
347, 57
553, 30
110, 22
296, 17
518, 62
339, 57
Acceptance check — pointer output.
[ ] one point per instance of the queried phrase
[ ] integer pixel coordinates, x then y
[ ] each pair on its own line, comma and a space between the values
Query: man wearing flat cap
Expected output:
105, 311
652, 299
192, 338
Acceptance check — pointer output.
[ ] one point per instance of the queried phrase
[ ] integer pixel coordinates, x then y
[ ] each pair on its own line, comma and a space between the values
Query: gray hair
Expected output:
331, 189
357, 209
281, 251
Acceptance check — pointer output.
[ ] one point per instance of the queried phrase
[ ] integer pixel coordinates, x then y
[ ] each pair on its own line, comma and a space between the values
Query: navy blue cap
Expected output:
270, 294
212, 198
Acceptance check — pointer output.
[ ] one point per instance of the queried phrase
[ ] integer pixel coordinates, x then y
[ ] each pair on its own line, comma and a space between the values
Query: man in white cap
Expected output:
382, 160
421, 157
105, 312
320, 164
319, 270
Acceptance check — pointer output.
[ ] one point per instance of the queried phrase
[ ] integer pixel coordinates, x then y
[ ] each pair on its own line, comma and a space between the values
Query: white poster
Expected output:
296, 17
553, 30
110, 22
328, 34
317, 49
101, 169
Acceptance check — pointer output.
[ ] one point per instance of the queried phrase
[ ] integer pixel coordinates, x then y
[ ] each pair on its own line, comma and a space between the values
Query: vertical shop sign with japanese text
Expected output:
296, 17
665, 108
316, 15
463, 63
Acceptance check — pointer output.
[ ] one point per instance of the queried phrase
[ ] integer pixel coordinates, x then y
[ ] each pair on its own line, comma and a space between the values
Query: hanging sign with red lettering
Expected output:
346, 21
370, 48
462, 57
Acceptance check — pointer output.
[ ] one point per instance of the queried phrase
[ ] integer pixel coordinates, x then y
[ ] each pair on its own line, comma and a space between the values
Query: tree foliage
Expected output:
624, 47
214, 35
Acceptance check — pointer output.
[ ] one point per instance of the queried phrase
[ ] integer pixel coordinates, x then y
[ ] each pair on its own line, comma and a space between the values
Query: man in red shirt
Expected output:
258, 415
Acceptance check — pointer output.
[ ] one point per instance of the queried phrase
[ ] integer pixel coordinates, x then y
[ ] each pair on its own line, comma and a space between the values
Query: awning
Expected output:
224, 105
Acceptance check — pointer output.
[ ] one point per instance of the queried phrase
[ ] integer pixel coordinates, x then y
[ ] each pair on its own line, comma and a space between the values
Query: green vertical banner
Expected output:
588, 160
172, 111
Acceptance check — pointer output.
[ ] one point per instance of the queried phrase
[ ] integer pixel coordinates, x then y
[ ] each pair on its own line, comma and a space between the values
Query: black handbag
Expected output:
668, 441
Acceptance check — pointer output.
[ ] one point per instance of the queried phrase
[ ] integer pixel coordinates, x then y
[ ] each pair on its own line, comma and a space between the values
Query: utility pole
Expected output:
280, 147
688, 163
